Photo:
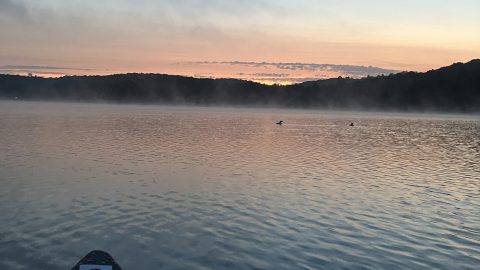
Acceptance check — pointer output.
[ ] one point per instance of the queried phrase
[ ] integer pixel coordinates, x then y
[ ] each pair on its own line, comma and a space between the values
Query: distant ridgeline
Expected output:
452, 88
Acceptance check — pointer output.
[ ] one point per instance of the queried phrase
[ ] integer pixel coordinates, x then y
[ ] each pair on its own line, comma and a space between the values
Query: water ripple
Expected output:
193, 188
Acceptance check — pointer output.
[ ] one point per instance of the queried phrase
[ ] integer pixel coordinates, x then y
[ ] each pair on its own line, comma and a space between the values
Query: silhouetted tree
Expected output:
453, 88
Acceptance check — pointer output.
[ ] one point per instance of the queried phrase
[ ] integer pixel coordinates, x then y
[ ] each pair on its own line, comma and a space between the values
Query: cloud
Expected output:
346, 70
282, 72
276, 75
48, 71
204, 76
20, 67
351, 69
12, 9
287, 80
198, 11
35, 72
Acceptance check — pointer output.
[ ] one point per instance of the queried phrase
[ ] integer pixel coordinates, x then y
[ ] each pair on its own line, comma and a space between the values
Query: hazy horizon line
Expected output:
199, 76
264, 72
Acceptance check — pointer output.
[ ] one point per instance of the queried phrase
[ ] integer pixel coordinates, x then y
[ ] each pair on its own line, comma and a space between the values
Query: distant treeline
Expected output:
452, 88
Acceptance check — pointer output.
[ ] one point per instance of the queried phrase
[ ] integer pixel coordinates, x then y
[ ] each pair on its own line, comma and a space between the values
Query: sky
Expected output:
281, 41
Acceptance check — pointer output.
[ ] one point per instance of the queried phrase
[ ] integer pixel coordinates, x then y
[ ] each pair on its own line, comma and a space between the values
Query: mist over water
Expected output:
216, 188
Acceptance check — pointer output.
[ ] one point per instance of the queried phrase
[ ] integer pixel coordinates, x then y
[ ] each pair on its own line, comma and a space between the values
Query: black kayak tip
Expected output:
97, 260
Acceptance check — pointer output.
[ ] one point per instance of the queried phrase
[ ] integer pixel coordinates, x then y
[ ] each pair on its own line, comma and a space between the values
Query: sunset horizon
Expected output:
256, 40
239, 134
331, 72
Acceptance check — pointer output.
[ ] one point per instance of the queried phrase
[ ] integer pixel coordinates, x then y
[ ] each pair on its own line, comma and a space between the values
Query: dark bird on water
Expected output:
280, 122
352, 125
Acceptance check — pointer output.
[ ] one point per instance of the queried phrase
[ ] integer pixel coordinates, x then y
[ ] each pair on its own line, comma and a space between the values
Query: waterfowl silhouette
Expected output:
280, 122
352, 125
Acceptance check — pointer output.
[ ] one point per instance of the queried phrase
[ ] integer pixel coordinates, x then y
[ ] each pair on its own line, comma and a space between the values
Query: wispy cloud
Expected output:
48, 71
351, 70
287, 72
21, 67
275, 75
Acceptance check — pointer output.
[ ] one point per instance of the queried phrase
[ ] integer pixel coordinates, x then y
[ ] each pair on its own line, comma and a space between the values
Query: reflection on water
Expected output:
193, 188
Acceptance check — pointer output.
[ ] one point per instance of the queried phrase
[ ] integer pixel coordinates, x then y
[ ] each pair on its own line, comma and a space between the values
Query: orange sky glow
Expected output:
266, 41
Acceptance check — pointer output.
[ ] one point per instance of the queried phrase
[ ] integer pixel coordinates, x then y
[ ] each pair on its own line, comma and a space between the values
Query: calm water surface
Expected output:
197, 188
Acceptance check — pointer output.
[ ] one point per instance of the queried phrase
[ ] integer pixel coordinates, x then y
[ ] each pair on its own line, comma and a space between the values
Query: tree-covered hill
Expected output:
452, 88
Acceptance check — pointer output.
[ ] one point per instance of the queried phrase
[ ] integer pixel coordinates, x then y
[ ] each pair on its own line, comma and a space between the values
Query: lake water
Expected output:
217, 188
